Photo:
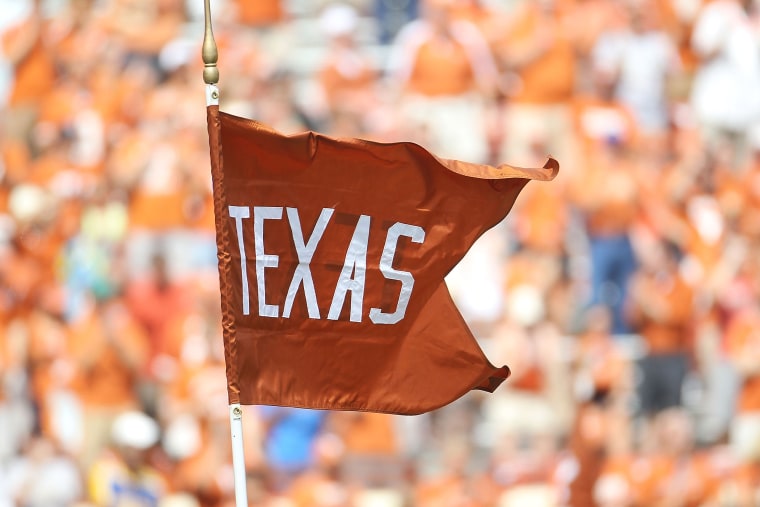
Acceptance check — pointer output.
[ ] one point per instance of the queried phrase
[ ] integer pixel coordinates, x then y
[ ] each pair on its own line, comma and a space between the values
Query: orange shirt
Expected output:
369, 433
15, 158
158, 199
260, 12
159, 310
672, 333
686, 479
110, 348
345, 77
35, 74
607, 193
59, 105
550, 76
441, 68
541, 218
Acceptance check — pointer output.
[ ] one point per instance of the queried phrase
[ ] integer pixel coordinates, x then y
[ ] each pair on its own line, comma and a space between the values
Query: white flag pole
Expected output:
238, 457
210, 56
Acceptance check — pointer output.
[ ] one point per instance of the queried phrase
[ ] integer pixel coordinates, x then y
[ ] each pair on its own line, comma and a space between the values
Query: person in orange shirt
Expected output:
110, 349
27, 48
661, 305
264, 13
447, 77
538, 63
605, 191
607, 198
347, 76
541, 216
371, 453
155, 301
676, 472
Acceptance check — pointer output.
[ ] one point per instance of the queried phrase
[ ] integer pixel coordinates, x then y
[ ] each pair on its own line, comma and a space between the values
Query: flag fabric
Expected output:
332, 257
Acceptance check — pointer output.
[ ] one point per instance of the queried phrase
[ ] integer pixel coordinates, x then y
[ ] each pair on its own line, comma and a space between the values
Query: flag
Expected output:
332, 257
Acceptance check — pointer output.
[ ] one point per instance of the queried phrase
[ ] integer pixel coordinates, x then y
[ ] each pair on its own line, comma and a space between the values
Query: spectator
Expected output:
538, 65
288, 445
661, 303
608, 200
27, 48
347, 76
642, 59
447, 76
110, 350
43, 476
370, 451
122, 474
104, 164
723, 97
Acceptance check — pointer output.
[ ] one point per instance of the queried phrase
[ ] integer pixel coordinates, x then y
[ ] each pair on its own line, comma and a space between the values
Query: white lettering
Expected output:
239, 213
302, 274
417, 235
356, 265
263, 260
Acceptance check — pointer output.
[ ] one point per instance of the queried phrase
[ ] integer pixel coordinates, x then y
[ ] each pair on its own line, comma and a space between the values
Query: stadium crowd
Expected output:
624, 295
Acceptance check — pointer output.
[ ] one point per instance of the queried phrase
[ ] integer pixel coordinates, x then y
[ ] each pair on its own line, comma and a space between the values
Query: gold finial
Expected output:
209, 52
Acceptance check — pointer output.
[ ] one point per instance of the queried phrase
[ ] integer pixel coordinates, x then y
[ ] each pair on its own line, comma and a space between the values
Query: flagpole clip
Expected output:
212, 95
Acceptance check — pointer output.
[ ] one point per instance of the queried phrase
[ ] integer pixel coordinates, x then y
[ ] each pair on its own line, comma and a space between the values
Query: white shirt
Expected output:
726, 90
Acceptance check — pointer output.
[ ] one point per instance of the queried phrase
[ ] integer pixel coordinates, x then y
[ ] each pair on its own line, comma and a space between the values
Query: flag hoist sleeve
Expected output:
332, 257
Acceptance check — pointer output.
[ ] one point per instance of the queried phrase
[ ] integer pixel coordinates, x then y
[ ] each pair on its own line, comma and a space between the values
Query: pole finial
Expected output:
209, 52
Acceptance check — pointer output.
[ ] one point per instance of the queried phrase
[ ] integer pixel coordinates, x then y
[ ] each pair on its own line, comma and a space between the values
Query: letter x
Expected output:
305, 251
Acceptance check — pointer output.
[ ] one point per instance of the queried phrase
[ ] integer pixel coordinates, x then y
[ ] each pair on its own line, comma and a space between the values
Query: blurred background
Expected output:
623, 295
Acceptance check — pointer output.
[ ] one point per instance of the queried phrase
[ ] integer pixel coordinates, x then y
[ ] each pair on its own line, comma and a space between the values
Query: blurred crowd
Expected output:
624, 295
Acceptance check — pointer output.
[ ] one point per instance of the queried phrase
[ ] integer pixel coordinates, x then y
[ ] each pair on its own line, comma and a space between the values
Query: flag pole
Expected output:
238, 457
210, 55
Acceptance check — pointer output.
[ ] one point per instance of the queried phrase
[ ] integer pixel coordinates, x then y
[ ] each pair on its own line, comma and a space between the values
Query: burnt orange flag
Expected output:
332, 257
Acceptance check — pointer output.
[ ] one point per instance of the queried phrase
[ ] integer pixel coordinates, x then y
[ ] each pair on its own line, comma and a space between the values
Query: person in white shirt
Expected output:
642, 58
725, 97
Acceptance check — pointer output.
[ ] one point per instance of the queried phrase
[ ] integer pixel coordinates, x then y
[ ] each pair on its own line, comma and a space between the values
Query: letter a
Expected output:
356, 265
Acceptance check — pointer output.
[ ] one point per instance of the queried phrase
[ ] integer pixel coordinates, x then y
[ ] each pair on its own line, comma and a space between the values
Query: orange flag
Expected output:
332, 258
